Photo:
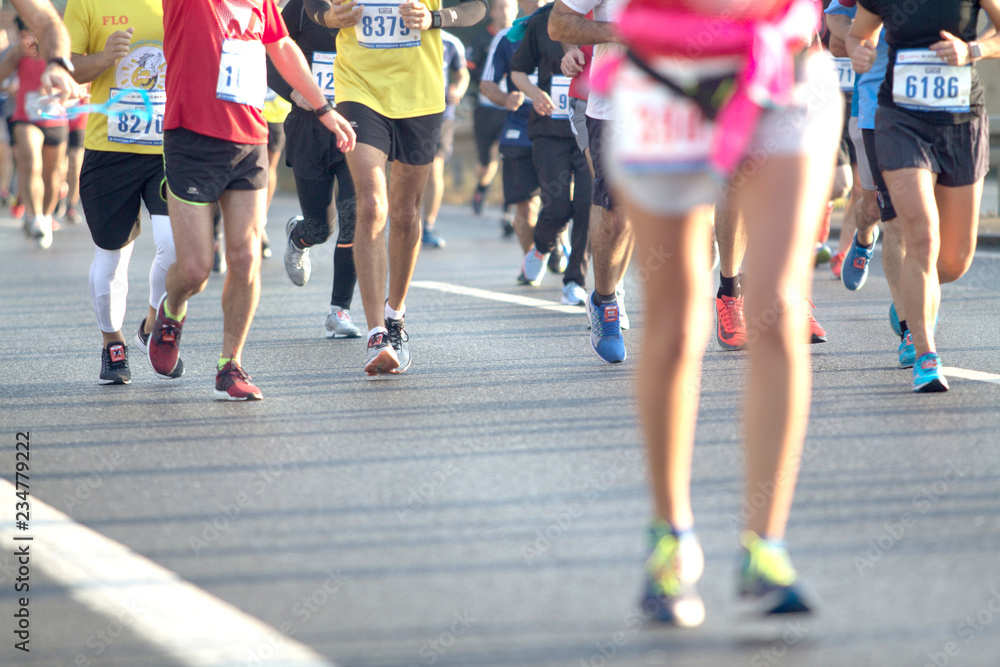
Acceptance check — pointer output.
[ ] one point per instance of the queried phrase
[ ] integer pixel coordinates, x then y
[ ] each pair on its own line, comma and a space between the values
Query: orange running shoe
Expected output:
835, 263
731, 329
817, 334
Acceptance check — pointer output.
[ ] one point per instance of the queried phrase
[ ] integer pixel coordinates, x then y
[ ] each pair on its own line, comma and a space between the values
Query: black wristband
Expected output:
325, 109
435, 20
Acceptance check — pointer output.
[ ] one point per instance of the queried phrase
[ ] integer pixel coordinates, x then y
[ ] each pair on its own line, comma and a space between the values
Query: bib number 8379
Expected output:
939, 87
376, 26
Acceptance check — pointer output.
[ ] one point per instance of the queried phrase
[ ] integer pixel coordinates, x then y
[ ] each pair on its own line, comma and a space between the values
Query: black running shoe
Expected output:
114, 364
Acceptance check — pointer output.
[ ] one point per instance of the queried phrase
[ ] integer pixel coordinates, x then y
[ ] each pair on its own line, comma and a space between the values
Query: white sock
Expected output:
375, 330
109, 286
391, 314
166, 255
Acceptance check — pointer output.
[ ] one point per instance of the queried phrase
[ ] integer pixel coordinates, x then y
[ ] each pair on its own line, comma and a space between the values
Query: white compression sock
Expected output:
109, 286
166, 255
391, 314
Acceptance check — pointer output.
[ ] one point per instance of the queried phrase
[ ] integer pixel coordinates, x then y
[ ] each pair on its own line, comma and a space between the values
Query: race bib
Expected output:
381, 27
923, 82
322, 68
126, 125
560, 97
243, 73
846, 74
660, 131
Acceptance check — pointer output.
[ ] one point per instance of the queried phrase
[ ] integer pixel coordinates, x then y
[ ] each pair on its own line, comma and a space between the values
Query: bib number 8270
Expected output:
939, 87
130, 124
376, 26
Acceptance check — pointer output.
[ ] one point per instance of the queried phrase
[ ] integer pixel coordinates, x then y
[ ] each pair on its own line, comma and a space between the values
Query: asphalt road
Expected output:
488, 507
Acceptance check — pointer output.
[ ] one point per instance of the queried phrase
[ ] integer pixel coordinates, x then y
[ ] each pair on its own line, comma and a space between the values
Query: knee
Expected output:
953, 267
243, 259
869, 207
371, 208
192, 272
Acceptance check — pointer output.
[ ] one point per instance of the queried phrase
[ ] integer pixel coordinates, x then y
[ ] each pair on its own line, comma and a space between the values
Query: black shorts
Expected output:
487, 123
599, 132
76, 138
54, 136
275, 137
311, 149
885, 208
200, 168
958, 154
446, 146
520, 180
412, 141
112, 187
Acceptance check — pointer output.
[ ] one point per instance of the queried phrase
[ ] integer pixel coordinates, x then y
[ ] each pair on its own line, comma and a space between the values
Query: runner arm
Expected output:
572, 27
840, 26
45, 24
9, 64
862, 39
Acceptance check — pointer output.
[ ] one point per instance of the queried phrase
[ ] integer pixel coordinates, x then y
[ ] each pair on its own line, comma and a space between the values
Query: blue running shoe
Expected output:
673, 568
927, 376
894, 320
854, 271
605, 331
907, 354
431, 240
533, 268
767, 581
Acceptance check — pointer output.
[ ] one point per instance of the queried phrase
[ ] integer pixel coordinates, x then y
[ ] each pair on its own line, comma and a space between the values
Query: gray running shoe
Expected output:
340, 325
399, 340
381, 355
297, 264
114, 364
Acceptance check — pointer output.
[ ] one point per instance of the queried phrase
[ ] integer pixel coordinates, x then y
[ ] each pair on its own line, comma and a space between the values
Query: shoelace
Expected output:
237, 373
397, 334
732, 316
662, 566
767, 561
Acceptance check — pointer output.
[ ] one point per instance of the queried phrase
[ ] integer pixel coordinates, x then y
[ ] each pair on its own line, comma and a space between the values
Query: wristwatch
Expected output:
63, 62
975, 52
325, 109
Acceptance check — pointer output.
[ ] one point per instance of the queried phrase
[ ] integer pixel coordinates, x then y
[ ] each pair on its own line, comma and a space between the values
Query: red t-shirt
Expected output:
579, 87
29, 76
193, 36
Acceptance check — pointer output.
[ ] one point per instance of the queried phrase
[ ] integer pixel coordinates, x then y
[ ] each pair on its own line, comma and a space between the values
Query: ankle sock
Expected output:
729, 286
391, 314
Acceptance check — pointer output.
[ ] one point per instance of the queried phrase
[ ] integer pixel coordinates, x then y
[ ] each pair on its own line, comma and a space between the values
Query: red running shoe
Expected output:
164, 343
233, 384
836, 262
731, 330
816, 333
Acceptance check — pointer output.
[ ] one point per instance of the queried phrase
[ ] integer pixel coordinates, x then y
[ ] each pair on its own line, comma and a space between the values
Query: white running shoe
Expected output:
340, 325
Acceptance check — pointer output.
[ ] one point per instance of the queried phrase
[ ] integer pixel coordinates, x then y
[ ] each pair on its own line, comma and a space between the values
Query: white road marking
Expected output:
979, 376
174, 615
498, 296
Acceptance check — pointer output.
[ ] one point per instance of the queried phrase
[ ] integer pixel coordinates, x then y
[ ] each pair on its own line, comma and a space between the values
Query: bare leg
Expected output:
849, 224
958, 211
193, 239
732, 237
779, 387
405, 190
28, 145
893, 254
524, 222
53, 158
367, 165
610, 241
434, 193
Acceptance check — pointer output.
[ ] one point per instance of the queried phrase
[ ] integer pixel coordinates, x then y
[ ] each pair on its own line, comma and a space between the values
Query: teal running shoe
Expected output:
894, 320
767, 582
907, 354
927, 377
854, 271
672, 571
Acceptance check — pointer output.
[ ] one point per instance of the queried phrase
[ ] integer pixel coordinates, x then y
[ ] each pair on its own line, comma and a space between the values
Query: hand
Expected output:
300, 101
344, 15
117, 46
337, 124
514, 101
952, 50
543, 104
451, 97
60, 83
415, 15
573, 62
863, 57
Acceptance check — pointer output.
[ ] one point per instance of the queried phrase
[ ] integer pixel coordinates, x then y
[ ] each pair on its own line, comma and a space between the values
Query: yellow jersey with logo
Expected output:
389, 68
127, 128
276, 109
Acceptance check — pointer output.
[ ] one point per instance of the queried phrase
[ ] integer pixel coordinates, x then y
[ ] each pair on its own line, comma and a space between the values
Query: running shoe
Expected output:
894, 320
673, 568
927, 377
559, 260
17, 209
431, 240
61, 208
340, 325
521, 280
823, 253
142, 342
73, 216
164, 343
731, 328
767, 582
855, 272
232, 383
907, 353
836, 262
605, 331
507, 226
573, 294
114, 364
816, 333
381, 355
42, 232
265, 249
297, 264
533, 268
399, 340
479, 199
623, 320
